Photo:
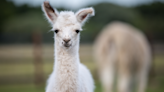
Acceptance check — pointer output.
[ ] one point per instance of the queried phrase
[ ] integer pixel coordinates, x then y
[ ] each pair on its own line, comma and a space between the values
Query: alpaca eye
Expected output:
56, 31
77, 31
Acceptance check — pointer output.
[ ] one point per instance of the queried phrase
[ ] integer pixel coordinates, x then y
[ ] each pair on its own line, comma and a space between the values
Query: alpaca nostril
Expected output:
66, 40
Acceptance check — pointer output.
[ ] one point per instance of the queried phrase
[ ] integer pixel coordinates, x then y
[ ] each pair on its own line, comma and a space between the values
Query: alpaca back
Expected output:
120, 36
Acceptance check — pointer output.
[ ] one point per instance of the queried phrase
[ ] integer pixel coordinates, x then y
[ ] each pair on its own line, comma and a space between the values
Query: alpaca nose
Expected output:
66, 40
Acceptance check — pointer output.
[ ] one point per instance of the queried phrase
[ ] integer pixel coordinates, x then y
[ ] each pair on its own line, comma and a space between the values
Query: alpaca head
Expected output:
66, 24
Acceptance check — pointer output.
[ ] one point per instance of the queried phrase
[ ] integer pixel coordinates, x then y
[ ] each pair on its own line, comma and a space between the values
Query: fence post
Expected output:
38, 63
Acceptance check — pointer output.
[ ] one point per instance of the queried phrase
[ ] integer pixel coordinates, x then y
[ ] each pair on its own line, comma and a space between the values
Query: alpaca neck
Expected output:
67, 68
66, 56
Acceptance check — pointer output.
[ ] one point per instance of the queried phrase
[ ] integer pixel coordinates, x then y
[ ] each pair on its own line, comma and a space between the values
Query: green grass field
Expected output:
17, 68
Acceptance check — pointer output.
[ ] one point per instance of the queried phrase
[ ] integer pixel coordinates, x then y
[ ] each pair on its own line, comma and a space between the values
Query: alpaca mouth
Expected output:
67, 45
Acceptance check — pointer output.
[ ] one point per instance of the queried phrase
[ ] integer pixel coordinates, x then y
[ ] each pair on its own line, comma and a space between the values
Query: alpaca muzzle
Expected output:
66, 42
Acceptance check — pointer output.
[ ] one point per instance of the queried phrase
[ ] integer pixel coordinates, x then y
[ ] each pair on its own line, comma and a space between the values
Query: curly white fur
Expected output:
69, 75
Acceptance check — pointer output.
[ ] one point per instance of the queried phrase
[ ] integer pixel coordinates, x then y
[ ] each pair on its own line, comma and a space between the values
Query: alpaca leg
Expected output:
123, 83
107, 68
142, 80
107, 74
124, 76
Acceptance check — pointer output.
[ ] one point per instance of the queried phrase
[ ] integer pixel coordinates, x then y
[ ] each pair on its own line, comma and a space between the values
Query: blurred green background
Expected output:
19, 23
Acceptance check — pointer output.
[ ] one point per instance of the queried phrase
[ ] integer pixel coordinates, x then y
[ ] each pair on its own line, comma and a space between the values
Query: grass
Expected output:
22, 88
17, 68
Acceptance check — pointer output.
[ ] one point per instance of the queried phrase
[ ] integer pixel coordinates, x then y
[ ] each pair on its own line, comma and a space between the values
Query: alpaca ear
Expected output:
50, 13
83, 14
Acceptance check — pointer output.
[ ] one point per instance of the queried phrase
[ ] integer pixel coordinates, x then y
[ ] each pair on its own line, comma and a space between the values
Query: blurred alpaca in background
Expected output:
122, 50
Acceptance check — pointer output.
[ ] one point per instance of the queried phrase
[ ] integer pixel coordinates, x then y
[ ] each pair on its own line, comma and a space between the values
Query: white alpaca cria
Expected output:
122, 47
69, 75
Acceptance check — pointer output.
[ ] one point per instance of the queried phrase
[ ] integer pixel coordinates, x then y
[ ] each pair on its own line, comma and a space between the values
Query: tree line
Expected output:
18, 22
